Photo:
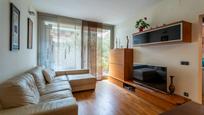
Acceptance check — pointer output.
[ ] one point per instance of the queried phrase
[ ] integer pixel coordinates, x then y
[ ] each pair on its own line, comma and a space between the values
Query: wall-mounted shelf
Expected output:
175, 32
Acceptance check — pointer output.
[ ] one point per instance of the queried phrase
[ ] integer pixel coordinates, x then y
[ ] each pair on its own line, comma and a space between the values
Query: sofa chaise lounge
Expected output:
32, 94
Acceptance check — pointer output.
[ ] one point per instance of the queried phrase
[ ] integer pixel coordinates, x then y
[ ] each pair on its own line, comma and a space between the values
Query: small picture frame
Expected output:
14, 28
30, 34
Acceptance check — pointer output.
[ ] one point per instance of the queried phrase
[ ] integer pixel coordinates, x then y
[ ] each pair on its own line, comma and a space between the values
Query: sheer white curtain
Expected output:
70, 44
92, 46
59, 43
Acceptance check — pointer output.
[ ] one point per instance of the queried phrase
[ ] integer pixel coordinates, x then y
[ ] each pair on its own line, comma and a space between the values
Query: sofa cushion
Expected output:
61, 78
55, 87
38, 76
81, 79
56, 96
19, 91
82, 82
66, 106
84, 87
49, 75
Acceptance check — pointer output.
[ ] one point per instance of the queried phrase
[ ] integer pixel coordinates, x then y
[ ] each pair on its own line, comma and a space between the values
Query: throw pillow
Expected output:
49, 75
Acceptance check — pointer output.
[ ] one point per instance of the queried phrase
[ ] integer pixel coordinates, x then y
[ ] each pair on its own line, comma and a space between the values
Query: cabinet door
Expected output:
117, 56
166, 34
116, 71
157, 36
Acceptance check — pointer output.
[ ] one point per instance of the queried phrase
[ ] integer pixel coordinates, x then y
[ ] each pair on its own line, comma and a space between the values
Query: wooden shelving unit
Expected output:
169, 33
162, 100
121, 62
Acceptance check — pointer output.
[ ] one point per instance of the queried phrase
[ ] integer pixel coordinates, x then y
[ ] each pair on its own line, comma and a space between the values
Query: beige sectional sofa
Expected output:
31, 94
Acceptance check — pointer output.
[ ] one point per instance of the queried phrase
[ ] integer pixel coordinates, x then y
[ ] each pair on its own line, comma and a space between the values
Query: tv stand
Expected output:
120, 68
162, 100
143, 85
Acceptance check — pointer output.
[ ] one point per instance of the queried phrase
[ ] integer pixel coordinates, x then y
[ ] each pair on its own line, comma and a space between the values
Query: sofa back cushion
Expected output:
19, 91
38, 77
49, 75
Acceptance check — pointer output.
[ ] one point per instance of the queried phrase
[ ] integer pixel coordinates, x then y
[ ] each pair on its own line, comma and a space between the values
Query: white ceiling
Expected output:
105, 11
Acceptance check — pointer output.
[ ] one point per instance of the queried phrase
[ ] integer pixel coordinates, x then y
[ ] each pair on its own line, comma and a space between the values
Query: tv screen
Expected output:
154, 77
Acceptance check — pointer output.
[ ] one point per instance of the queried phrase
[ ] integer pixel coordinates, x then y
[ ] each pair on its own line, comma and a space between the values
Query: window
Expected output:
106, 40
65, 45
60, 44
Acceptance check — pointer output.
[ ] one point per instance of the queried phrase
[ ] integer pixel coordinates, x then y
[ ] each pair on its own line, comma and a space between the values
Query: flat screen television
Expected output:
153, 77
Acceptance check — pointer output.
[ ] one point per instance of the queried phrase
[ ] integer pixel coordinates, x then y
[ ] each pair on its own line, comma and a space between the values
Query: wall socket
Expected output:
185, 63
186, 94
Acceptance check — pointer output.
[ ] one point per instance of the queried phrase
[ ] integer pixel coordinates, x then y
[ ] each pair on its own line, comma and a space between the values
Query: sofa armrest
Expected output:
57, 107
72, 72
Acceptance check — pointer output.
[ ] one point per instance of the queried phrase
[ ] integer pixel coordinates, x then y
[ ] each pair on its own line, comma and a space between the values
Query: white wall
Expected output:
16, 62
168, 11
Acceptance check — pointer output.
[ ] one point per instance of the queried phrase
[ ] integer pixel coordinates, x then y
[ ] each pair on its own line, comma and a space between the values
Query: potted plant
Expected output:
141, 24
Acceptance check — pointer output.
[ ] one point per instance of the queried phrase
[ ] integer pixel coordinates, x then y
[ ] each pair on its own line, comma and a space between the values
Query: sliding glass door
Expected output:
106, 46
67, 44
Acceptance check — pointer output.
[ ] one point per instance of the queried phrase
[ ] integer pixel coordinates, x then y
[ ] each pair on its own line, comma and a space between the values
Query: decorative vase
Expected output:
127, 42
171, 86
141, 29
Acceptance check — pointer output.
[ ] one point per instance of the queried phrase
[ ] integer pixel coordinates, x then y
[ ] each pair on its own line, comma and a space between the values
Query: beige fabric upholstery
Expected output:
81, 79
61, 78
49, 75
56, 96
55, 87
72, 72
19, 91
76, 72
38, 76
82, 82
30, 95
83, 87
67, 106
